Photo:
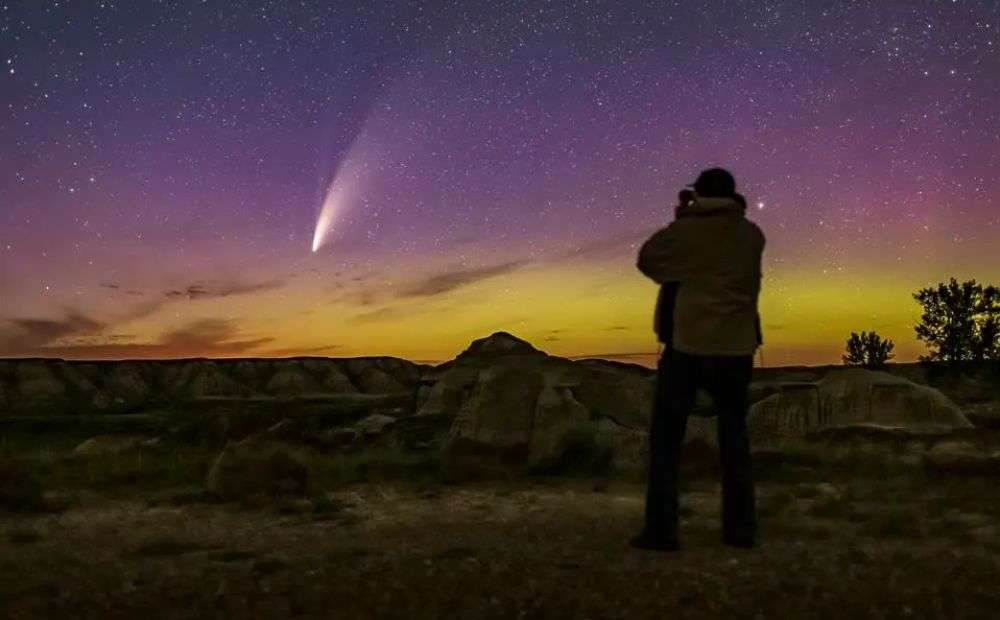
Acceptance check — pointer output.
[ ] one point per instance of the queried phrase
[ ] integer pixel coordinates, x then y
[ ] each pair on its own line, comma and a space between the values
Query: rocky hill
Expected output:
500, 393
60, 387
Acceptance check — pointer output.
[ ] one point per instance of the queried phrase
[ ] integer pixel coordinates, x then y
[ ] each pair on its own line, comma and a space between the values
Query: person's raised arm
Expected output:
661, 258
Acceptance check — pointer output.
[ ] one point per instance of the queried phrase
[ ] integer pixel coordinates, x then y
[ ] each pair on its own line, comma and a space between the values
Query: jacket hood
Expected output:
711, 205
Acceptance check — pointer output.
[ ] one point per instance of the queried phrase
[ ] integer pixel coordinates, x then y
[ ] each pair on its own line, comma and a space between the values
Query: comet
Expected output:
332, 204
340, 193
352, 178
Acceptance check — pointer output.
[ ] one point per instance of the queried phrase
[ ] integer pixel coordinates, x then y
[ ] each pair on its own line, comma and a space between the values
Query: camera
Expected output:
686, 197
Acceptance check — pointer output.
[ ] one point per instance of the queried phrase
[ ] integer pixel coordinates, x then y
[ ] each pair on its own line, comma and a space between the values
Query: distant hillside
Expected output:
56, 387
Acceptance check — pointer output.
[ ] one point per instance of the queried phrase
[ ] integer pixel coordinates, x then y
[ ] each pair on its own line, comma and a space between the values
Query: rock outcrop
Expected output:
508, 396
852, 396
500, 394
51, 387
843, 397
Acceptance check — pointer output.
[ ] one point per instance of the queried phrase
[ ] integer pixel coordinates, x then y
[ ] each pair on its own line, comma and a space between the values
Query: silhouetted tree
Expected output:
868, 349
986, 345
960, 321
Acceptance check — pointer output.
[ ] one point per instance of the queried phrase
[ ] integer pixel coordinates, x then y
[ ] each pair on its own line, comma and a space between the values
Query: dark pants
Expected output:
726, 378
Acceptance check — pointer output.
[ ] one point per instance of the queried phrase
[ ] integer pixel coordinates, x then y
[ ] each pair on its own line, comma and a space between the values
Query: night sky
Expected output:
478, 167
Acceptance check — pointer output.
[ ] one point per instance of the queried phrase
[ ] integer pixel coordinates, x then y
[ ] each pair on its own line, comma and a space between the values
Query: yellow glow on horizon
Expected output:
569, 308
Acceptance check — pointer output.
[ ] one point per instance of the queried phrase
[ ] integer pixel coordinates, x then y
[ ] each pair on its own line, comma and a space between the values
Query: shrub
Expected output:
868, 349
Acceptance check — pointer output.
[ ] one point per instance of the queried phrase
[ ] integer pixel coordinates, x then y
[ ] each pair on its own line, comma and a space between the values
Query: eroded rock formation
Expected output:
501, 393
49, 387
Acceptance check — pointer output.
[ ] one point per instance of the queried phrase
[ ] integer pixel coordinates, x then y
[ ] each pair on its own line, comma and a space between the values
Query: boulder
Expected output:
250, 468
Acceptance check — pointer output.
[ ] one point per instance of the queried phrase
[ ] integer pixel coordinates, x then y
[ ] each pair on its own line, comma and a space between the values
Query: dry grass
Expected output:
493, 550
393, 534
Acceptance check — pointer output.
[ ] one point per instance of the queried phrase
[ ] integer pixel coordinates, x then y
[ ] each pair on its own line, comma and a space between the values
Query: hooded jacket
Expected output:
712, 254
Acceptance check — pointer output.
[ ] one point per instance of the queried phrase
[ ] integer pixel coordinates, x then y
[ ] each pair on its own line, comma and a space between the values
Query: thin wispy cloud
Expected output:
452, 279
201, 338
203, 290
26, 333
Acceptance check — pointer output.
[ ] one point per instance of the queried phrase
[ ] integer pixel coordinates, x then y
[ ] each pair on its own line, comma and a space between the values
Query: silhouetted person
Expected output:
707, 262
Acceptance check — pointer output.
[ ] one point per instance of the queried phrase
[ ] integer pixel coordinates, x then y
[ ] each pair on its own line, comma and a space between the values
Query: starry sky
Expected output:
478, 166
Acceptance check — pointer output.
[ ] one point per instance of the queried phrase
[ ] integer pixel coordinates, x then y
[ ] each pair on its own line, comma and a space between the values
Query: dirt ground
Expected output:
541, 548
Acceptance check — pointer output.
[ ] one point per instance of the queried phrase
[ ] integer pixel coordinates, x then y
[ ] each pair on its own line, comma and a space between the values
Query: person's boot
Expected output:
649, 541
